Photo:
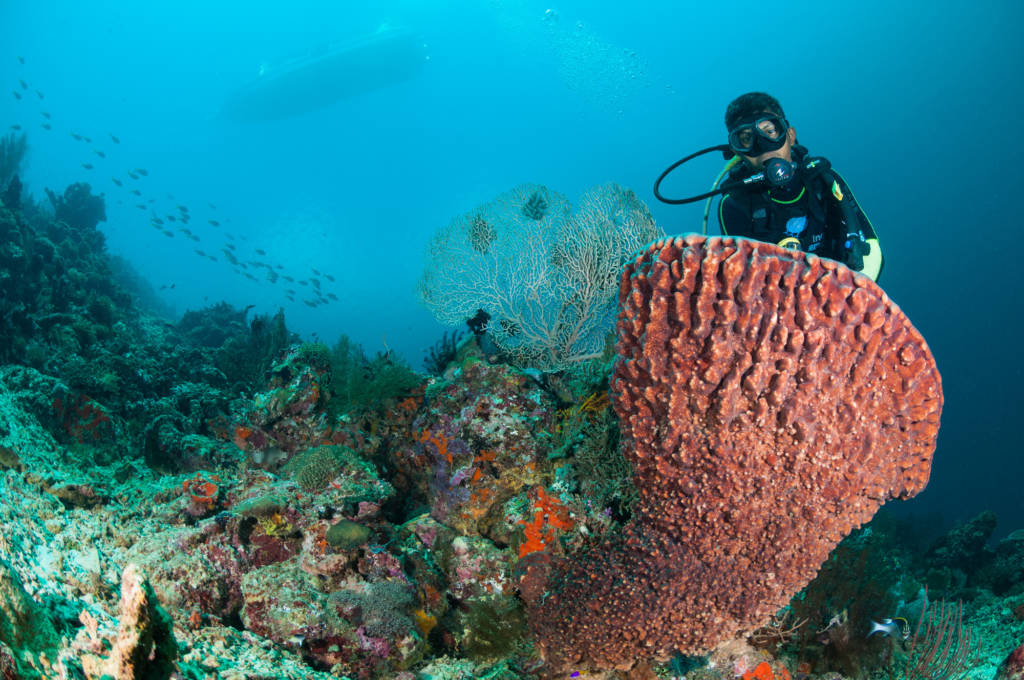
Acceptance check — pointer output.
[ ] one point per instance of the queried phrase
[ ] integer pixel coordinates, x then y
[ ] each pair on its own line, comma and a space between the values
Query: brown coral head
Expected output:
770, 401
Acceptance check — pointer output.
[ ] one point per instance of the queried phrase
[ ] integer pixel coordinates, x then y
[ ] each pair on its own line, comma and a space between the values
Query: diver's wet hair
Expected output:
750, 104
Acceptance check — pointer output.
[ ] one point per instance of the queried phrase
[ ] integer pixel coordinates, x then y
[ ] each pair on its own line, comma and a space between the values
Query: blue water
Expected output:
918, 108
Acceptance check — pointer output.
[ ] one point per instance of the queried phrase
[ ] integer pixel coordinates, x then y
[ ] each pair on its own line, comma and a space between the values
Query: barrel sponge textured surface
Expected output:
770, 401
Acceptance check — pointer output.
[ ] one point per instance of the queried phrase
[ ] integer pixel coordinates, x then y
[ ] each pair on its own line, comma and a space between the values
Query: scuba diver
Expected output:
776, 192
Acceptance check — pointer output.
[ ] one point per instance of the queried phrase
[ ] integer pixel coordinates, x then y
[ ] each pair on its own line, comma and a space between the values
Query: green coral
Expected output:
354, 479
493, 629
362, 384
383, 607
314, 469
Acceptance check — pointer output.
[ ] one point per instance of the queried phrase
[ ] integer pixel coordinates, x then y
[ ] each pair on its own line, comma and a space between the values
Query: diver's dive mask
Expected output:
761, 135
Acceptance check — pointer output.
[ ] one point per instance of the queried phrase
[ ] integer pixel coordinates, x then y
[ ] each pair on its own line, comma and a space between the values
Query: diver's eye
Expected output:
745, 137
769, 129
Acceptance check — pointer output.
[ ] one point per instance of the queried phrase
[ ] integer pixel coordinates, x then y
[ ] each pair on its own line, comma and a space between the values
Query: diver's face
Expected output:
784, 152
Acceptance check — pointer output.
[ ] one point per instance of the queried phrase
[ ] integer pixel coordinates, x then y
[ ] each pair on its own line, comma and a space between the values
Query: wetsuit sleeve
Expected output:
733, 219
860, 245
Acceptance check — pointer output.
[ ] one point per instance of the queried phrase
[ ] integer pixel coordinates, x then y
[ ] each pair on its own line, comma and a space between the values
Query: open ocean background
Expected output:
917, 105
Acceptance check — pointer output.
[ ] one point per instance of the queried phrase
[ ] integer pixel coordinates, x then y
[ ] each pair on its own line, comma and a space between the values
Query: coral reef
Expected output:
79, 208
476, 446
729, 401
1012, 668
214, 498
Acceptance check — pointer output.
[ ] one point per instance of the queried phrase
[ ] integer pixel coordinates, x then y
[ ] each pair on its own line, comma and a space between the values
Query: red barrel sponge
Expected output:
770, 401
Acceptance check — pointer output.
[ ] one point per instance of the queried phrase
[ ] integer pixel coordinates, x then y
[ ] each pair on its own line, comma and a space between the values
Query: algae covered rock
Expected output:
144, 645
481, 440
346, 535
25, 630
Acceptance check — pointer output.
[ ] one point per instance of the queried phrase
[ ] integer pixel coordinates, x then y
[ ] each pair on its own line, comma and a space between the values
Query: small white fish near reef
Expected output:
898, 628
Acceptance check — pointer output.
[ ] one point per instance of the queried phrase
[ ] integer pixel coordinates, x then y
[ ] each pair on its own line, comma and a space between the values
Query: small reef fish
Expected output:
133, 175
250, 276
329, 278
260, 251
23, 84
288, 278
46, 126
199, 252
21, 60
15, 127
136, 192
183, 208
45, 115
156, 220
114, 138
211, 258
212, 206
303, 283
332, 296
88, 140
99, 153
316, 283
117, 181
168, 233
77, 136
142, 171
17, 95
172, 218
40, 93
87, 166
229, 246
140, 206
214, 222
316, 271
895, 628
